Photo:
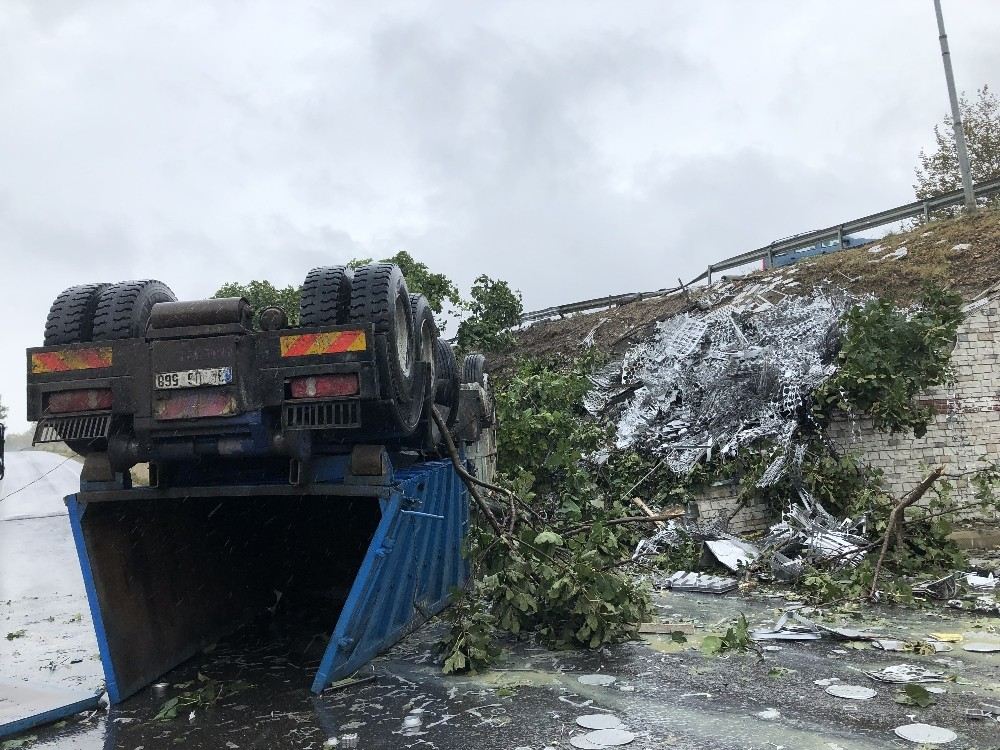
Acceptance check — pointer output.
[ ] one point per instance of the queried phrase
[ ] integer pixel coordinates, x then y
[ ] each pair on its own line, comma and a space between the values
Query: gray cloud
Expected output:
575, 149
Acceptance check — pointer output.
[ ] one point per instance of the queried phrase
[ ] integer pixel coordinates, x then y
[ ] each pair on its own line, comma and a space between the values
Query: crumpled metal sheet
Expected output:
807, 533
722, 379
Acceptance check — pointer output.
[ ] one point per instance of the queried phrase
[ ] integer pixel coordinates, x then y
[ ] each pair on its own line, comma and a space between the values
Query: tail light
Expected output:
90, 399
325, 386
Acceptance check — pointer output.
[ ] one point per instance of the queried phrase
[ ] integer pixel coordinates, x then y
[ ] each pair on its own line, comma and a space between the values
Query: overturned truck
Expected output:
297, 474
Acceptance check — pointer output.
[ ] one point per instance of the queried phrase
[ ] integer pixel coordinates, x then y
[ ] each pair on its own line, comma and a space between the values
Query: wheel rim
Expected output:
404, 352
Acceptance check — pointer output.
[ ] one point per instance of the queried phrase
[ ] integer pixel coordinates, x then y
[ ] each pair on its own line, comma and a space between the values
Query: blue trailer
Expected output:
168, 572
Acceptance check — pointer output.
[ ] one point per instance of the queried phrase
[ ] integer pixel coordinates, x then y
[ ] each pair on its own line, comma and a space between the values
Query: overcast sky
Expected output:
573, 148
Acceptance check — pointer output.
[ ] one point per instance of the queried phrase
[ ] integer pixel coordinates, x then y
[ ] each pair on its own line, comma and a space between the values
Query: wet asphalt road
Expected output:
670, 695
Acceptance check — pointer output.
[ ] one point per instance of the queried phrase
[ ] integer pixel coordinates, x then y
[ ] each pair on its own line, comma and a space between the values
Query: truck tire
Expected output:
426, 331
123, 308
326, 297
474, 369
71, 317
379, 297
446, 381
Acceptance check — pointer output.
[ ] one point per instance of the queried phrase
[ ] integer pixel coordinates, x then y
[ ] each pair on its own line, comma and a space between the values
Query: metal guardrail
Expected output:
795, 242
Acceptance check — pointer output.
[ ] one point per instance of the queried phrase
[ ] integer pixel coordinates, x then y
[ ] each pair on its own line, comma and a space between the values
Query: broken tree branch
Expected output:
647, 510
470, 481
894, 525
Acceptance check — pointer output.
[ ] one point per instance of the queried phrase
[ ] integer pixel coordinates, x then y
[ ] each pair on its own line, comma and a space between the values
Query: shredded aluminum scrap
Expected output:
725, 378
808, 533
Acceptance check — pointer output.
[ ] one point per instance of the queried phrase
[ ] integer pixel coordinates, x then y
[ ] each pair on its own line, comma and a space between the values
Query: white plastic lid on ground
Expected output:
602, 738
600, 721
851, 692
596, 679
927, 734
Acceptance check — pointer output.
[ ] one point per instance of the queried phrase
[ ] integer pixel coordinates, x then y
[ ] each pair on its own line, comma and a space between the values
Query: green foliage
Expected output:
559, 574
737, 638
888, 356
546, 431
261, 294
469, 645
494, 308
938, 171
915, 695
436, 287
200, 693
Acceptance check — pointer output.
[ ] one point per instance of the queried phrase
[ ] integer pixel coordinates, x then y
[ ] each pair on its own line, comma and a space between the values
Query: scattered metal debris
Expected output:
925, 733
733, 553
792, 626
941, 588
904, 673
981, 583
808, 534
700, 582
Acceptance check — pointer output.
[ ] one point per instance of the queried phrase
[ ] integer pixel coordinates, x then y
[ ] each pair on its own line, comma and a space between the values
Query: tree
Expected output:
494, 309
3, 410
938, 171
261, 294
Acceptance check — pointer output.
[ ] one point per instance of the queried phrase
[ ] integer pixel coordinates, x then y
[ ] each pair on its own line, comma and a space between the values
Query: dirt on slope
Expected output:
962, 254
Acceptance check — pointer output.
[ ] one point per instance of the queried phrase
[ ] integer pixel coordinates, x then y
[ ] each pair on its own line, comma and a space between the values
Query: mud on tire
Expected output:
379, 297
123, 308
426, 335
326, 297
71, 316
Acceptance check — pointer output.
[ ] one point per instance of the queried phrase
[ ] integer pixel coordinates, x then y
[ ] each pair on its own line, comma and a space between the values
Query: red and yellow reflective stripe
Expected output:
71, 359
330, 342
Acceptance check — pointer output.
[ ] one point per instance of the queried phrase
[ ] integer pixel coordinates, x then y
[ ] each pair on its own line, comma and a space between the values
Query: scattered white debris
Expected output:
981, 647
961, 246
927, 234
596, 679
599, 721
733, 553
769, 714
851, 692
876, 249
983, 583
700, 582
925, 733
602, 738
901, 252
903, 673
827, 681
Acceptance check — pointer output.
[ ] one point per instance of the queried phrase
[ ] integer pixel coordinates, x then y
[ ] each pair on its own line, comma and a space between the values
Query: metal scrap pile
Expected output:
808, 534
722, 379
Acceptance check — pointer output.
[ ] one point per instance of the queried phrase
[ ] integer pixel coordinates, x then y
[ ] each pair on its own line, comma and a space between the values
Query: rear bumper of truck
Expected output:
277, 387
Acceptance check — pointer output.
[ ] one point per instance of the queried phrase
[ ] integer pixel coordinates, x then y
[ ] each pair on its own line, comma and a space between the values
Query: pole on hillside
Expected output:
956, 114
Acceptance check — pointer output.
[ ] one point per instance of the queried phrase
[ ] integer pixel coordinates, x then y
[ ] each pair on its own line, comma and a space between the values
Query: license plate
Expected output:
195, 378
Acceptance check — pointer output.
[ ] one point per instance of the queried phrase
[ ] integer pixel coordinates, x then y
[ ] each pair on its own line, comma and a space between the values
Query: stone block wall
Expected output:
966, 425
718, 501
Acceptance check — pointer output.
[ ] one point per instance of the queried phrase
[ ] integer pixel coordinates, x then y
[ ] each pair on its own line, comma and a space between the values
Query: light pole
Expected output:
956, 114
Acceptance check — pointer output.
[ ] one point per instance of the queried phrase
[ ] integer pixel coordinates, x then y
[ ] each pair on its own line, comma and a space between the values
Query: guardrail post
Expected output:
927, 211
708, 276
840, 236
